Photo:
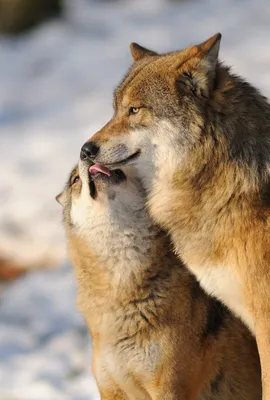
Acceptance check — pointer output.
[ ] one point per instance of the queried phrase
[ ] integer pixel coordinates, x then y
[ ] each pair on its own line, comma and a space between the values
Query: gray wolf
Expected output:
156, 334
199, 136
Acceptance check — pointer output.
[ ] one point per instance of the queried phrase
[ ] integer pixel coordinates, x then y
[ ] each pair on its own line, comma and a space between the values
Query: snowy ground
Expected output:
55, 91
44, 346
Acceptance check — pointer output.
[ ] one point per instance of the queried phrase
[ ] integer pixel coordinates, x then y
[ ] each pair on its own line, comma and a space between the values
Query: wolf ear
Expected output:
209, 50
199, 77
138, 52
60, 198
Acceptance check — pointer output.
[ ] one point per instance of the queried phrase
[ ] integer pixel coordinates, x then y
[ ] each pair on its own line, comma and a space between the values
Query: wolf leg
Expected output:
263, 342
257, 286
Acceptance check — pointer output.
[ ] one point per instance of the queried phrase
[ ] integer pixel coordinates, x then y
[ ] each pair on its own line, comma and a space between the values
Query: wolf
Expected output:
155, 332
199, 137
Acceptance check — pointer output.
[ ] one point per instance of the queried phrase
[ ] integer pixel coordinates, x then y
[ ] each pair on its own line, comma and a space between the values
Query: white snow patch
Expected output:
44, 345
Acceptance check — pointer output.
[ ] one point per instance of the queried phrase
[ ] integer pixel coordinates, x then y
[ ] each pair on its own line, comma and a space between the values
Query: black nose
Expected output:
89, 150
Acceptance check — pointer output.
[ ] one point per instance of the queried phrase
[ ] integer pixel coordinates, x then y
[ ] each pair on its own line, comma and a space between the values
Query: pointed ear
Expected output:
199, 77
209, 50
60, 198
138, 52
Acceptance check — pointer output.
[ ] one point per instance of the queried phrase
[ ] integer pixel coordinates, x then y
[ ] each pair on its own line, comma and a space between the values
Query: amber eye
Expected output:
133, 110
75, 179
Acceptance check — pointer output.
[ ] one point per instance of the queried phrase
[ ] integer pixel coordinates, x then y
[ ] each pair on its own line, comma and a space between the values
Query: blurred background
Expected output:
59, 62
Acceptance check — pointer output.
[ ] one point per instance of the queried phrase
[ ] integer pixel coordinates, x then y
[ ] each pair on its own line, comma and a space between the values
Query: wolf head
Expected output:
161, 100
105, 209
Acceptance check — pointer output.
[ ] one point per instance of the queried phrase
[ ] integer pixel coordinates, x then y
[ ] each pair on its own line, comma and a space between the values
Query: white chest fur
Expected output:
222, 283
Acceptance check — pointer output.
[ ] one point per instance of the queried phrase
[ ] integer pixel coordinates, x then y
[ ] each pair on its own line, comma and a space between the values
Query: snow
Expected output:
55, 91
44, 346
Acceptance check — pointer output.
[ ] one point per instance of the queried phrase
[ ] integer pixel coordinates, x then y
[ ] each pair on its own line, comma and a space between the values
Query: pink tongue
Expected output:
98, 168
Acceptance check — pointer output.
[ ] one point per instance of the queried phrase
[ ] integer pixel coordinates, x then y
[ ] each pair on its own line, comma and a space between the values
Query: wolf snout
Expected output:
89, 151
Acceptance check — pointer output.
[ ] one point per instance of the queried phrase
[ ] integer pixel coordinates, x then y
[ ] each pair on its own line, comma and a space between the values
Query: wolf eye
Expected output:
133, 110
75, 179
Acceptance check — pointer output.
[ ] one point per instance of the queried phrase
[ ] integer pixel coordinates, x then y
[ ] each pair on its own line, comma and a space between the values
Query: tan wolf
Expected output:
156, 334
199, 136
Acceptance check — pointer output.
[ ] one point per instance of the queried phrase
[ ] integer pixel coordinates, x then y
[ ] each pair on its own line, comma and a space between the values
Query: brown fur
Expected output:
155, 333
201, 142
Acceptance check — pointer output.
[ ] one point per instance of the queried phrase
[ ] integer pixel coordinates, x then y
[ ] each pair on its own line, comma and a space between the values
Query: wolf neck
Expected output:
124, 241
123, 260
213, 192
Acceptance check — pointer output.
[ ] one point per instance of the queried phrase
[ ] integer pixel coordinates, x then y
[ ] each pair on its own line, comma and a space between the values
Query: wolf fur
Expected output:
199, 136
155, 333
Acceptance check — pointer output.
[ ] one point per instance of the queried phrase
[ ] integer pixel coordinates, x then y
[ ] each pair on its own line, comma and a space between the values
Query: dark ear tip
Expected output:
134, 46
218, 36
57, 198
138, 52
